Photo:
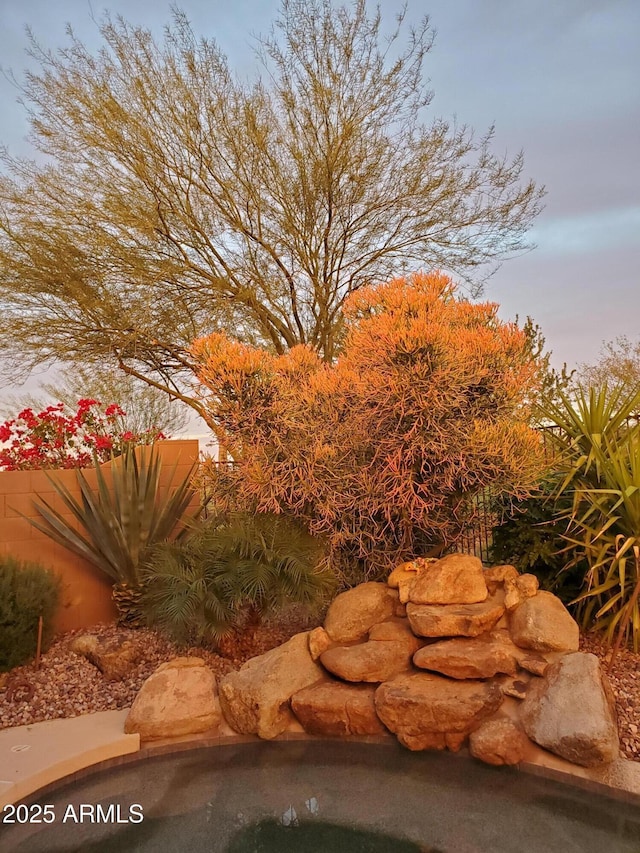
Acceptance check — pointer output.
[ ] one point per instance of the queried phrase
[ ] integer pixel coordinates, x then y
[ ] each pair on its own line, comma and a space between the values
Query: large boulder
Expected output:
456, 620
479, 657
544, 624
388, 652
455, 579
179, 698
334, 709
499, 741
430, 712
255, 699
571, 711
354, 612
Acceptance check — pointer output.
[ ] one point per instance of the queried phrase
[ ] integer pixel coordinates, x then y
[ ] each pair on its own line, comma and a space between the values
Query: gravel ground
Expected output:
67, 685
624, 677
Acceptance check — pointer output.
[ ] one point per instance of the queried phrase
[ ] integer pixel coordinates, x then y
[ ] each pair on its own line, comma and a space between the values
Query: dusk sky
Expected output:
560, 80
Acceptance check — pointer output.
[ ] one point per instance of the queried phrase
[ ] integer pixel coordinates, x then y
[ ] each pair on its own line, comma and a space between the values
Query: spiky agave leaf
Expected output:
120, 523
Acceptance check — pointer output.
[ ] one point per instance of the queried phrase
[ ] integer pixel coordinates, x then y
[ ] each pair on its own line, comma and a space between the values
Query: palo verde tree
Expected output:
383, 451
175, 199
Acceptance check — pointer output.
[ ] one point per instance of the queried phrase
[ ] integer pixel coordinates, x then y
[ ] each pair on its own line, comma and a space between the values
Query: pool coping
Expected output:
94, 743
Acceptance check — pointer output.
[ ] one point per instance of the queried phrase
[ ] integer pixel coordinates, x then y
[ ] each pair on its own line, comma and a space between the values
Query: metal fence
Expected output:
477, 538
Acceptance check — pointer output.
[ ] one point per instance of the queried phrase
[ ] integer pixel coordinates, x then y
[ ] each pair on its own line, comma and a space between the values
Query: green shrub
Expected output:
531, 539
231, 568
27, 591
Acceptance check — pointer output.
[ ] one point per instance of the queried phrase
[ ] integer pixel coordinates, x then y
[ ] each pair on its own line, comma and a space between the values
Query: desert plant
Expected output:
605, 525
586, 421
230, 569
113, 527
599, 457
384, 451
530, 537
27, 591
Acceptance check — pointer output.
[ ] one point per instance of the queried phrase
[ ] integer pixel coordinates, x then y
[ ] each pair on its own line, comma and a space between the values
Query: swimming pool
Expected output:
317, 796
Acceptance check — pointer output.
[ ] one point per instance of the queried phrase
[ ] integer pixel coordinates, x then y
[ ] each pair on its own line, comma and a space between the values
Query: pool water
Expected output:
317, 796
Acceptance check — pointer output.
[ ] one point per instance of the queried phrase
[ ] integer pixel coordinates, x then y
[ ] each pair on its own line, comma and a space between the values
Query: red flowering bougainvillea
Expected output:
383, 451
55, 438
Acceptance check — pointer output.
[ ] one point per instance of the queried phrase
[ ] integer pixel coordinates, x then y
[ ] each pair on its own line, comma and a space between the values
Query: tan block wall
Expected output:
86, 592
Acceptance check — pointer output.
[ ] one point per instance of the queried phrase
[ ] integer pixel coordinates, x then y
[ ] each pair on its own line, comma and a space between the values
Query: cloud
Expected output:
587, 233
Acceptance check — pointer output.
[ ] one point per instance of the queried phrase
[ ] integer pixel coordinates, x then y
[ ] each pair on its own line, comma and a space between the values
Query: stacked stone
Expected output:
443, 654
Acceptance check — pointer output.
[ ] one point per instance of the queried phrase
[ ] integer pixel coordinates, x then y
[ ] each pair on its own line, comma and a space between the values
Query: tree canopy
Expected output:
176, 199
618, 365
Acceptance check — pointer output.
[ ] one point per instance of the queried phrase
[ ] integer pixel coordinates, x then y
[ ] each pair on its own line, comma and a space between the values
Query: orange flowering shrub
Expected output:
383, 451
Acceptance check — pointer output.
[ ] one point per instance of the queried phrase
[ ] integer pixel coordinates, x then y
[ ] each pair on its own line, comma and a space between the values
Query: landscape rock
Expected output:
333, 709
535, 665
571, 711
397, 630
431, 712
516, 687
179, 698
319, 641
517, 590
454, 579
499, 741
255, 699
354, 612
480, 657
404, 575
462, 620
387, 652
543, 623
500, 574
115, 658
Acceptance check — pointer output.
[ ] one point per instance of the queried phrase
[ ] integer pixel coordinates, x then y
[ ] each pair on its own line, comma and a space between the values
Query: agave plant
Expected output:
115, 526
230, 568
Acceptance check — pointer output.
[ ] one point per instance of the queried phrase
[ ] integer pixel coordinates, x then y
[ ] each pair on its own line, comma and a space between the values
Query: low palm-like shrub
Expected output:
115, 524
27, 591
231, 568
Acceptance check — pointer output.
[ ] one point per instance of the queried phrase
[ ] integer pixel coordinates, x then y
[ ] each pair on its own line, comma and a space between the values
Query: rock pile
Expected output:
432, 656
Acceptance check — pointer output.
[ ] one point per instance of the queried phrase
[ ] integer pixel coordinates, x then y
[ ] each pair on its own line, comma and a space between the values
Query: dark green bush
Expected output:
530, 538
27, 591
231, 569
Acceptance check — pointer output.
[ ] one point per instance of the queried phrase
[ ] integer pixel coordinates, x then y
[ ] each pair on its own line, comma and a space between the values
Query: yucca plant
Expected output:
117, 525
584, 424
599, 462
606, 526
232, 568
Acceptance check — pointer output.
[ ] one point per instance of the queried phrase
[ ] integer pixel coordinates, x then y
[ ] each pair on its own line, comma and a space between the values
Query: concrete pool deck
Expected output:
36, 756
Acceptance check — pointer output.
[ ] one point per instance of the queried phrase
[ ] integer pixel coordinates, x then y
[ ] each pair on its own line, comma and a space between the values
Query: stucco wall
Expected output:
86, 592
